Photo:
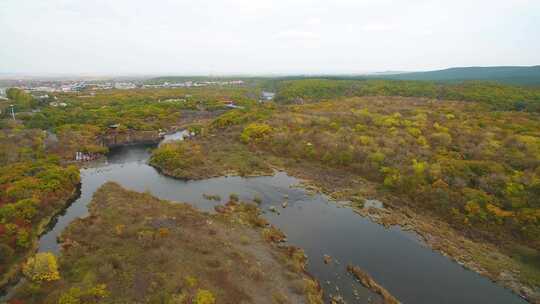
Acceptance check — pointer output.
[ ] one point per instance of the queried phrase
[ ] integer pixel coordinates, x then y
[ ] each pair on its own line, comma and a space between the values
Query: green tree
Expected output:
21, 99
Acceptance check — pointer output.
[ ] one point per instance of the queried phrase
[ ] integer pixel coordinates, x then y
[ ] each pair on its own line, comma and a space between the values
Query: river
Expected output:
395, 258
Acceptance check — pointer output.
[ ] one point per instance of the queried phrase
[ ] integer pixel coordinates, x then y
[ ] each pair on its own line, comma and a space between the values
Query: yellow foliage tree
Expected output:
255, 132
42, 267
204, 297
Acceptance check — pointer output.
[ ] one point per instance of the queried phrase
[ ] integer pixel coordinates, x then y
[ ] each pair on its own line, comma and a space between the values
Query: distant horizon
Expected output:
6, 75
264, 37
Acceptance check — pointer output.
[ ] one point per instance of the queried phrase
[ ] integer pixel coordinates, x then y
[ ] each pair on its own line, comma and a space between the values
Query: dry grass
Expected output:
152, 251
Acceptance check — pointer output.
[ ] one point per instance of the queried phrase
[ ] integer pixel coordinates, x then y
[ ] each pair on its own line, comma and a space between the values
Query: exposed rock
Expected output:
327, 259
365, 279
118, 138
337, 299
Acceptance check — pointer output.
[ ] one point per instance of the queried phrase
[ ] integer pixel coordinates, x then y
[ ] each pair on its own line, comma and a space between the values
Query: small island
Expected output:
146, 250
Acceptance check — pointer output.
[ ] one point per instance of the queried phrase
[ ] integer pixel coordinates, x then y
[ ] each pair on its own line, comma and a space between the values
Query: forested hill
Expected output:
497, 96
529, 75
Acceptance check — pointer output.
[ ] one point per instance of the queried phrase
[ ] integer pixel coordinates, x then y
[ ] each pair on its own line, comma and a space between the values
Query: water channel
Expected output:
395, 258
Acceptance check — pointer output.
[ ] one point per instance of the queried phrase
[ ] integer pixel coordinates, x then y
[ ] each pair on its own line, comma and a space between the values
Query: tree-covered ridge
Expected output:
518, 75
498, 96
33, 187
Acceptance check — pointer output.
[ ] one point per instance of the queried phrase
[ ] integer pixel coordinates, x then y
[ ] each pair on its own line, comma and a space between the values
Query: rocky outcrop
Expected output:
120, 138
365, 279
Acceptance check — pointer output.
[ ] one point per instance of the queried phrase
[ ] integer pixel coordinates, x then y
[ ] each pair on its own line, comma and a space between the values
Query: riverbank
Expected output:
10, 278
310, 221
197, 159
139, 244
481, 257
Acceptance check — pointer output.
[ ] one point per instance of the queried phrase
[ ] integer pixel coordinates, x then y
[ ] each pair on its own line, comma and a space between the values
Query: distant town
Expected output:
76, 86
46, 91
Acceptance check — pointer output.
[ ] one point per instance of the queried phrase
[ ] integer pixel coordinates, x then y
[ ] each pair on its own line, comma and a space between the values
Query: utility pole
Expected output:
12, 111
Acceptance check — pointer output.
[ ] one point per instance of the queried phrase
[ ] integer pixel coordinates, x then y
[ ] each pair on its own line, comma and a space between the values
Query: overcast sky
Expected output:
178, 37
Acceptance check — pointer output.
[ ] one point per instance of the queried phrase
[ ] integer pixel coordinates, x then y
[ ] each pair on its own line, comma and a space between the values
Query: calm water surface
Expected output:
396, 259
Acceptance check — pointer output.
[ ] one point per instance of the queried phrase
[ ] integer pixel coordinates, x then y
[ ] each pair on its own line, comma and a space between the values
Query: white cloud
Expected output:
378, 27
297, 34
314, 21
264, 36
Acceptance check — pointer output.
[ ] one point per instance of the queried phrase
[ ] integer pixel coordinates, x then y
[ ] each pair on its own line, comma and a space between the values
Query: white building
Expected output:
267, 96
124, 85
